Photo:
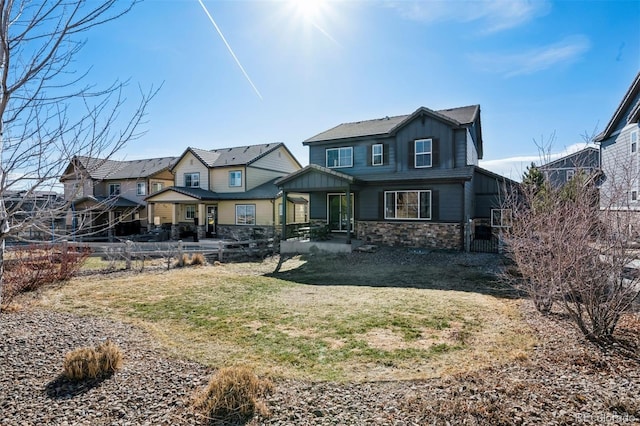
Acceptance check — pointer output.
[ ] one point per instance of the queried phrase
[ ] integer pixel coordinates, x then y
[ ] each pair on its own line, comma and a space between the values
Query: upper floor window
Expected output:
407, 205
340, 157
141, 188
156, 186
114, 189
192, 180
235, 178
423, 152
245, 214
634, 141
570, 174
377, 151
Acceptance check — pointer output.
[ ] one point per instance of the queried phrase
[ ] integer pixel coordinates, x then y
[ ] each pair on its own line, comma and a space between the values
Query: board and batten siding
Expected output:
190, 164
421, 129
488, 194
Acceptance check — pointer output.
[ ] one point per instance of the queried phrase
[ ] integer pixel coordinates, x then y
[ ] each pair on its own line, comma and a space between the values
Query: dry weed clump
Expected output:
198, 259
92, 363
232, 395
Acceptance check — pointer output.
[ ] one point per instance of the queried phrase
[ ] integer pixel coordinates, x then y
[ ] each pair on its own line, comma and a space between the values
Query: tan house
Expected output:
107, 197
227, 193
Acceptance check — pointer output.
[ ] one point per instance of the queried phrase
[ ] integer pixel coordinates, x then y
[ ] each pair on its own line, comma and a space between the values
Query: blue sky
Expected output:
535, 67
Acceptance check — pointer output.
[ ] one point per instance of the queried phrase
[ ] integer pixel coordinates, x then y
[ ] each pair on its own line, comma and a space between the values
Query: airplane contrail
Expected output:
230, 50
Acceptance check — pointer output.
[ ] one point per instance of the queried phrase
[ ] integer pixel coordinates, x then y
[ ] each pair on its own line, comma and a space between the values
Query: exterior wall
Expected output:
411, 234
620, 168
219, 178
472, 152
279, 160
163, 212
256, 176
587, 161
361, 155
488, 192
241, 232
265, 213
427, 128
190, 164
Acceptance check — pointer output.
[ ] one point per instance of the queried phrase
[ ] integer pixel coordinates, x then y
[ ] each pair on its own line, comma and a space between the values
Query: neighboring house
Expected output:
562, 170
410, 180
227, 193
619, 154
108, 197
35, 215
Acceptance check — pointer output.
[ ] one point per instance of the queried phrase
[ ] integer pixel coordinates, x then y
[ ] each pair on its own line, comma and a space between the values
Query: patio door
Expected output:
337, 206
212, 220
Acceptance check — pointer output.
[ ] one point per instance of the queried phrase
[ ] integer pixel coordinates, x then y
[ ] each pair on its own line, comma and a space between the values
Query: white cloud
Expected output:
514, 167
493, 15
566, 51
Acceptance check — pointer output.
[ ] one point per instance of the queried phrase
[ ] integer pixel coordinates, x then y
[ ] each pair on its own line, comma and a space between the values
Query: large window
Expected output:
141, 188
377, 154
192, 180
340, 157
190, 211
423, 152
235, 178
500, 218
114, 189
245, 214
407, 205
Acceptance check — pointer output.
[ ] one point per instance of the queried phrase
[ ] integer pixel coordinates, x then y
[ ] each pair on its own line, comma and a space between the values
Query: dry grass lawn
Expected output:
344, 319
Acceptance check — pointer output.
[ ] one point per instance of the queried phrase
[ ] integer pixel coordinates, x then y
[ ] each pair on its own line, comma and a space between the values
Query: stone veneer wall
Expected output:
411, 234
245, 232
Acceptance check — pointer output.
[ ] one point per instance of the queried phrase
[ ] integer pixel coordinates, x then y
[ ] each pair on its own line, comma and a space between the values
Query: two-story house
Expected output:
559, 172
227, 193
620, 156
410, 180
107, 197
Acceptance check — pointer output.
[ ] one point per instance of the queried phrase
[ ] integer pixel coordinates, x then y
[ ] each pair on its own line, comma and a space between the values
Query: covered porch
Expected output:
104, 218
331, 220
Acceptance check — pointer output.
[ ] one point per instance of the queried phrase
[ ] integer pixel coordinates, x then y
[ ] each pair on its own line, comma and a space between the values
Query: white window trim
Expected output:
245, 214
192, 175
374, 155
419, 191
232, 172
339, 166
503, 223
570, 173
157, 187
140, 185
416, 153
113, 185
187, 209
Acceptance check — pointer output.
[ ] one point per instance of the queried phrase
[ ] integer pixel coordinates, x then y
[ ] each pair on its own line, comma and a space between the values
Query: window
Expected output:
407, 205
340, 157
570, 174
423, 153
245, 214
192, 180
377, 151
141, 188
190, 211
78, 190
235, 178
114, 189
156, 186
634, 195
500, 218
634, 141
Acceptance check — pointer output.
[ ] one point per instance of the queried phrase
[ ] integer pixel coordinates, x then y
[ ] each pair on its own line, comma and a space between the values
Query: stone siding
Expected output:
244, 232
446, 236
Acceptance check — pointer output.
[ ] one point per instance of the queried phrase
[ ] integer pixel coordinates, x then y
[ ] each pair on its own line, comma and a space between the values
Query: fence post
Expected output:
180, 254
127, 252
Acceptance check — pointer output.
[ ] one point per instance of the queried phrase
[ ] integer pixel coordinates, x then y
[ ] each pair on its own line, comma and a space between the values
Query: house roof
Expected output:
314, 168
101, 169
388, 125
582, 154
627, 104
108, 202
266, 191
235, 156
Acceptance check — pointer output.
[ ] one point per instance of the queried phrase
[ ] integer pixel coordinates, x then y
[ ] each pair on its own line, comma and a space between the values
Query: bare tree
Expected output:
572, 251
49, 113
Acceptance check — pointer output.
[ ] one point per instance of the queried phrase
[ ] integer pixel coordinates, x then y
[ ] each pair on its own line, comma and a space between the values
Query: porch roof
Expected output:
266, 191
107, 203
315, 177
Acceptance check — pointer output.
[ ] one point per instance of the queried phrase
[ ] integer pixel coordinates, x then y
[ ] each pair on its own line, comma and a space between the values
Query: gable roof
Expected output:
581, 156
235, 156
101, 169
625, 105
461, 116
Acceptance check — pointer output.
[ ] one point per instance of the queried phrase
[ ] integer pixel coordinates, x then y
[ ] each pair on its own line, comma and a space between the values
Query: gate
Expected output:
483, 240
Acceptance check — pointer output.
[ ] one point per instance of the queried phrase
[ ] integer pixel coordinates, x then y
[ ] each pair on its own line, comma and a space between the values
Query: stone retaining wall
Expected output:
411, 234
244, 232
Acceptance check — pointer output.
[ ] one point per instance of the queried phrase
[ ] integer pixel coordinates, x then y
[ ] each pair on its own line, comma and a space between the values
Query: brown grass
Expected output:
233, 395
89, 363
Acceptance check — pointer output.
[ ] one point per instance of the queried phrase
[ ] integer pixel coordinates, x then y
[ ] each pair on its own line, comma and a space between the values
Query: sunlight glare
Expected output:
308, 9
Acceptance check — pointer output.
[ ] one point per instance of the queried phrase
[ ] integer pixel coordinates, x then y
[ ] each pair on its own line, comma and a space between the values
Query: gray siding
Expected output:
488, 194
620, 168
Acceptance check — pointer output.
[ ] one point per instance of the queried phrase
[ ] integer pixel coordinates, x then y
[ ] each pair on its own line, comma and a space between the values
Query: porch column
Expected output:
110, 225
284, 215
150, 211
202, 222
348, 214
175, 231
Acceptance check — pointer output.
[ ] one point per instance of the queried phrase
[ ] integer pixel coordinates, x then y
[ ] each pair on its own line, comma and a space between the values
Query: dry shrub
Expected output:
232, 395
198, 259
92, 363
